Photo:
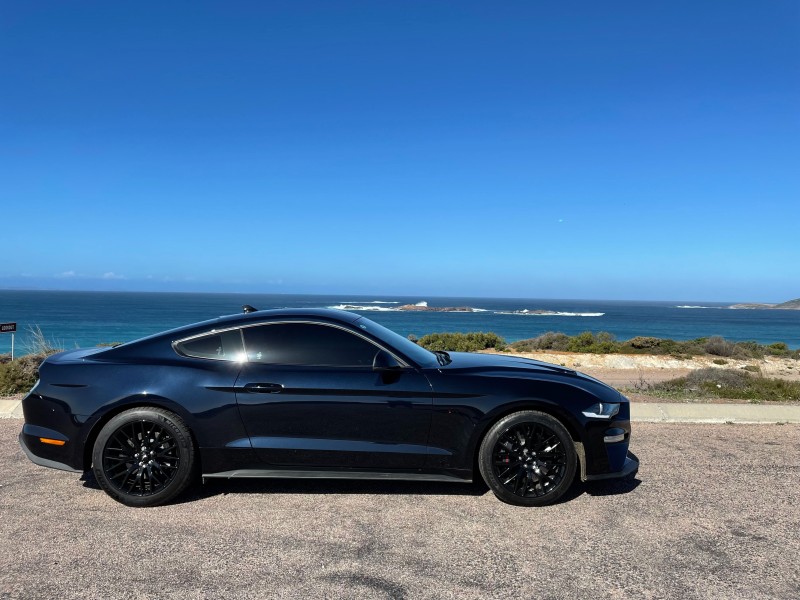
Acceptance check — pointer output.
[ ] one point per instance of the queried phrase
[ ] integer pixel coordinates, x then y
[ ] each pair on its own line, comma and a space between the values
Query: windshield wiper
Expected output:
443, 357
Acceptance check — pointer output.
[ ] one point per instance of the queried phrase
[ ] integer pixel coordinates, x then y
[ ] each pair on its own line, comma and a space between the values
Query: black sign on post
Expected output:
9, 328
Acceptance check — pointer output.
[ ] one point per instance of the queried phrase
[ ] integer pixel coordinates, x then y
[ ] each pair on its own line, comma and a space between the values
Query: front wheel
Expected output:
144, 457
528, 458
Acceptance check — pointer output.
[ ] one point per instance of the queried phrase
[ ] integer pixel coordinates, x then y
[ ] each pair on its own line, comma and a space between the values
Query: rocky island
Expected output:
788, 305
423, 307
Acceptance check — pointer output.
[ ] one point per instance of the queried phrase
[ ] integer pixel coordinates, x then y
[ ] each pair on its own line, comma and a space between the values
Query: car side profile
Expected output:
319, 394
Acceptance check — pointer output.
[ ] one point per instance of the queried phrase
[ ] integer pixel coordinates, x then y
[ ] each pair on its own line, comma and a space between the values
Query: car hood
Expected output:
467, 361
498, 365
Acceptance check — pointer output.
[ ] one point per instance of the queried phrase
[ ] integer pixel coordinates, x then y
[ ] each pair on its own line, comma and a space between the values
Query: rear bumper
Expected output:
40, 460
628, 470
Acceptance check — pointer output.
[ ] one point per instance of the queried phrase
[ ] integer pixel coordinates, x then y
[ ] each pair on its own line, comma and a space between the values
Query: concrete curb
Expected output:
10, 408
642, 412
664, 412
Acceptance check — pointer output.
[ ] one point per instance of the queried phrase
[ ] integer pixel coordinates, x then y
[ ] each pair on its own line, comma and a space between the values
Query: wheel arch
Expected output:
551, 409
139, 401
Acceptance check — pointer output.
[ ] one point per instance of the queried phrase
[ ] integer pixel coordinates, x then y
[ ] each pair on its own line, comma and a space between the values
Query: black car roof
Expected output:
320, 313
325, 314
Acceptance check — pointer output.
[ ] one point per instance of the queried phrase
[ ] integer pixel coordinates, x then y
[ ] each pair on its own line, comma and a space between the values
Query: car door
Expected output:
309, 397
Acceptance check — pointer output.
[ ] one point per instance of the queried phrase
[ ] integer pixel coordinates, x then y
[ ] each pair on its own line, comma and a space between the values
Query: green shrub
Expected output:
602, 343
719, 346
547, 341
19, 375
749, 350
642, 342
728, 383
778, 349
462, 342
720, 361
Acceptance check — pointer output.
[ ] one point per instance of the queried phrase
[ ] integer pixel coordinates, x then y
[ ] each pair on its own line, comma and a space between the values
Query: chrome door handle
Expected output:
263, 388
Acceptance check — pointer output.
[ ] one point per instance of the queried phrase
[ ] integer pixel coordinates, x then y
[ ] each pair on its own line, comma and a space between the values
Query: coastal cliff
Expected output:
788, 305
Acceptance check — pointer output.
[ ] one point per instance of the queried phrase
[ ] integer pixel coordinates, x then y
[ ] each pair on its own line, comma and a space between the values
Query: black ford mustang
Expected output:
319, 393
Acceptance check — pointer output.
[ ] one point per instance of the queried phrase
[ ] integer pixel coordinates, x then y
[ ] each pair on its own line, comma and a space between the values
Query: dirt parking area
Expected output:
712, 514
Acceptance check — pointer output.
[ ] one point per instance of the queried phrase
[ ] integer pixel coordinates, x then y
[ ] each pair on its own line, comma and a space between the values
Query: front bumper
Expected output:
43, 454
605, 449
629, 469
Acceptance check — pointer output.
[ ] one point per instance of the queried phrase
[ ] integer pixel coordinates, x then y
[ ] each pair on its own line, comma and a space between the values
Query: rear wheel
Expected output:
144, 457
528, 458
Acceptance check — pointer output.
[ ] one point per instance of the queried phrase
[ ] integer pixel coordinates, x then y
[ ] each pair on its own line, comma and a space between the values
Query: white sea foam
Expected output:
689, 306
363, 307
372, 302
549, 313
422, 303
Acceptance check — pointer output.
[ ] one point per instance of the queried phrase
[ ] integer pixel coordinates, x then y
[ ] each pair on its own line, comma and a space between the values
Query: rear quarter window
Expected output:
225, 345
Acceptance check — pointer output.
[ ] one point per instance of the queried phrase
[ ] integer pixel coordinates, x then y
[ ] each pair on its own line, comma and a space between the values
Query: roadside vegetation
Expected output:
19, 375
704, 384
605, 343
462, 342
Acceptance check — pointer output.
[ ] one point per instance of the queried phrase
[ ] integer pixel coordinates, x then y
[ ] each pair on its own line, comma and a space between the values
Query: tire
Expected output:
528, 458
144, 457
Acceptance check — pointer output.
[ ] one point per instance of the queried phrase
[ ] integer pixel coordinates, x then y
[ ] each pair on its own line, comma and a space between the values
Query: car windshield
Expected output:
416, 353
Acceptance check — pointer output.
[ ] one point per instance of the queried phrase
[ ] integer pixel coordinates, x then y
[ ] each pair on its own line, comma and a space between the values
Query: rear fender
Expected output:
96, 424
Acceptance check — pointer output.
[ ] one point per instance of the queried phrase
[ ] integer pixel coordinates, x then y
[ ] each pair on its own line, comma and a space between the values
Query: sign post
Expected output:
9, 328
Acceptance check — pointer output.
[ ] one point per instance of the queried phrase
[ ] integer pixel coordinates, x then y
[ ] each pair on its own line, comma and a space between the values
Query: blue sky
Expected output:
625, 150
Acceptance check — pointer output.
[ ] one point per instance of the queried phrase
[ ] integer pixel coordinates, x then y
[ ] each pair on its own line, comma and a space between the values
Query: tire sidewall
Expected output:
487, 449
182, 437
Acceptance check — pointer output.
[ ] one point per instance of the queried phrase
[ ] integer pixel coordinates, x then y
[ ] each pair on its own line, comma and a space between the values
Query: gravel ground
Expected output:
712, 514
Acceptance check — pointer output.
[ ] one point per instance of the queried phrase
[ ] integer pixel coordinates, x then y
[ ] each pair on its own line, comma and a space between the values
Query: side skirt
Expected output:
375, 475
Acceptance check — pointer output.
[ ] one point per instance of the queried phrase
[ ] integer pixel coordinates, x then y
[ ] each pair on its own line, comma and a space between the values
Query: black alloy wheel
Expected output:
144, 457
528, 458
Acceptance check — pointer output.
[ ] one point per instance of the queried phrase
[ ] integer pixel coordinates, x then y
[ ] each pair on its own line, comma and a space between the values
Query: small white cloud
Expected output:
112, 275
66, 274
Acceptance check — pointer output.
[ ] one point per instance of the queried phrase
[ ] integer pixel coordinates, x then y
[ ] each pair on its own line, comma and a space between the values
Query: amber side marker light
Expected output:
54, 442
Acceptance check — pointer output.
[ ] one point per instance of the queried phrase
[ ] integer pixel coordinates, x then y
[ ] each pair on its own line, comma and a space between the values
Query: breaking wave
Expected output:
372, 307
690, 306
549, 313
356, 302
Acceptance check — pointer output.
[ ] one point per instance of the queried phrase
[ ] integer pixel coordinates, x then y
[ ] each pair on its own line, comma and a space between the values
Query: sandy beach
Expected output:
621, 370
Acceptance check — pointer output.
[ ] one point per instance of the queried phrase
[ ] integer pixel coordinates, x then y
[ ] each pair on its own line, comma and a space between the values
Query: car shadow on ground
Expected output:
611, 487
221, 487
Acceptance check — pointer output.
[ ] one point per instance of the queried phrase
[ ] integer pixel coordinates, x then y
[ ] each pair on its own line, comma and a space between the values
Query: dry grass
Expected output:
723, 383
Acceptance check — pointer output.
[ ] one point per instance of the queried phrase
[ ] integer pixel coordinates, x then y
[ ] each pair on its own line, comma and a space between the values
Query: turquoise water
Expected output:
79, 319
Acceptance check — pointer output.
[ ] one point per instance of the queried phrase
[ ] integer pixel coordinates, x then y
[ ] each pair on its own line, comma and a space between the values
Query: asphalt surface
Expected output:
712, 514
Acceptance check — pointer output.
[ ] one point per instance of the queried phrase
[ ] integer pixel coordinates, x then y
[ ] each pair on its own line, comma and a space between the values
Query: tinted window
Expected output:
394, 340
223, 346
307, 344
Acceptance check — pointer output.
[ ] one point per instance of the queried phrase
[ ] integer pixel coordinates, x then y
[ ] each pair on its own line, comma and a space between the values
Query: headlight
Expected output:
602, 410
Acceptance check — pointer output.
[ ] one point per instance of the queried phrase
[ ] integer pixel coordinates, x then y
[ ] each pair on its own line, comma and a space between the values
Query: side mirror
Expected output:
385, 363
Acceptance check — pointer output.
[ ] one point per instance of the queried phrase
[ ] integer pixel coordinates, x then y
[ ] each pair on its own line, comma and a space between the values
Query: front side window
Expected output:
226, 345
307, 344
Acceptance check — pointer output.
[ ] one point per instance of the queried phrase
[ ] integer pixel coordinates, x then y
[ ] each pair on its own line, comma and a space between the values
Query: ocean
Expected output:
81, 319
